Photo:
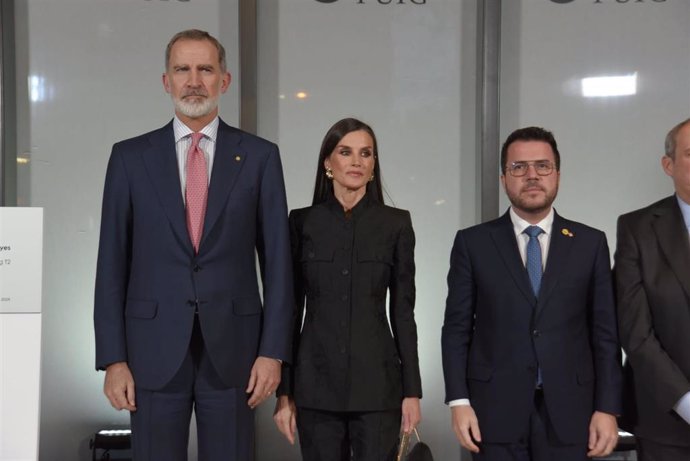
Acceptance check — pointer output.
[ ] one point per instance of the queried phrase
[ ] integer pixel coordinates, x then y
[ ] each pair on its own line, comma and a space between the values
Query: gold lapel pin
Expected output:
566, 232
237, 158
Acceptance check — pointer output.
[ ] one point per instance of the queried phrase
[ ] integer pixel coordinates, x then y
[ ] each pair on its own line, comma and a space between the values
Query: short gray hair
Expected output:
196, 34
670, 143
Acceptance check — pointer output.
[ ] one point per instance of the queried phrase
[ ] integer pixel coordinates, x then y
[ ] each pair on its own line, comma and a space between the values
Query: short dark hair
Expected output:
670, 142
323, 187
196, 34
530, 133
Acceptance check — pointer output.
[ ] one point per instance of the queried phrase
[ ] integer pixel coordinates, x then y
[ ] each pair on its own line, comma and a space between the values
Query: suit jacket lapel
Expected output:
557, 258
672, 236
161, 164
503, 236
227, 163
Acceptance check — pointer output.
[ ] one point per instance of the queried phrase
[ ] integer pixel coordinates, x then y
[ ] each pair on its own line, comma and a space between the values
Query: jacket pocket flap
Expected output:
374, 255
140, 309
314, 254
246, 306
480, 372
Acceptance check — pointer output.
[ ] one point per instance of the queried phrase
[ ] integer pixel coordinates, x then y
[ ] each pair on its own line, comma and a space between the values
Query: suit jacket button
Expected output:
197, 268
535, 333
345, 272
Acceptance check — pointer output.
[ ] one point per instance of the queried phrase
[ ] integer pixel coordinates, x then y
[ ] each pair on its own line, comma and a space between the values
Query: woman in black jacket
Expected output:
353, 383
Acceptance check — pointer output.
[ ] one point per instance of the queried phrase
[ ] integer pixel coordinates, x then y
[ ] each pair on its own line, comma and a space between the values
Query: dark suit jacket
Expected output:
496, 331
652, 274
345, 356
149, 281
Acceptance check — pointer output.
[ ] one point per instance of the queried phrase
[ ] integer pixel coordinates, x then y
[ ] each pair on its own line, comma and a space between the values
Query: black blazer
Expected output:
496, 331
652, 275
346, 358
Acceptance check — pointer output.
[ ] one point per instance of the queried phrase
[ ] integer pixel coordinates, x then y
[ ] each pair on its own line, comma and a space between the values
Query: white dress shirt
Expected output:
183, 141
519, 226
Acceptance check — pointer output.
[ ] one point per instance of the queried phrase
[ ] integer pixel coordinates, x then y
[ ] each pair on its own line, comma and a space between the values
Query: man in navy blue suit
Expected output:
180, 322
530, 347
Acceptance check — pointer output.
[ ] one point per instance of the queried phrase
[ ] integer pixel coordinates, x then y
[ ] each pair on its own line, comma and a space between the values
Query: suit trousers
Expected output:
648, 450
345, 436
539, 443
225, 423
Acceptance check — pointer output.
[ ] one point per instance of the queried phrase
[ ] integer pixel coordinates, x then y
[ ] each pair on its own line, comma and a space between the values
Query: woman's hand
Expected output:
411, 414
285, 417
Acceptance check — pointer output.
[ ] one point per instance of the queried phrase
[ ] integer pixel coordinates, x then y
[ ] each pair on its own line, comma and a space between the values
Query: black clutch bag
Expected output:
419, 452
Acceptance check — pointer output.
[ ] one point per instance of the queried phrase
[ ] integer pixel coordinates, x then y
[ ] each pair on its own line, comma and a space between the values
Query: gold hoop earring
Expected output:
329, 173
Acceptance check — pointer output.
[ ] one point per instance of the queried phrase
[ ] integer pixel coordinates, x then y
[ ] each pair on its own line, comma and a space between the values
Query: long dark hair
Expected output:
323, 187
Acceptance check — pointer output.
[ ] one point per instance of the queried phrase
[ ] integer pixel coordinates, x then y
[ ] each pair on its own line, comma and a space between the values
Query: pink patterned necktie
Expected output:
196, 190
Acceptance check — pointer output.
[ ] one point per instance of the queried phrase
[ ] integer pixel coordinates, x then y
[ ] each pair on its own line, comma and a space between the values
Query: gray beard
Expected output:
195, 109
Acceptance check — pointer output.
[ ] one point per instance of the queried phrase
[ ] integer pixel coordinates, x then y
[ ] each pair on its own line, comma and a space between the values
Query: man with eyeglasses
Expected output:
530, 344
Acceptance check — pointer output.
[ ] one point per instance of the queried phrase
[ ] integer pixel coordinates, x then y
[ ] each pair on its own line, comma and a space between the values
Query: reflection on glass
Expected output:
37, 88
607, 86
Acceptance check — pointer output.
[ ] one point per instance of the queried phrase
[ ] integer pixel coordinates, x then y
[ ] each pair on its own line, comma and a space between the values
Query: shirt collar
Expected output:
519, 224
685, 209
334, 205
181, 130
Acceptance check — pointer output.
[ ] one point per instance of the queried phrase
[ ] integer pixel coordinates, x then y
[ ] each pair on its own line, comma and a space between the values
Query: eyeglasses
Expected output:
542, 167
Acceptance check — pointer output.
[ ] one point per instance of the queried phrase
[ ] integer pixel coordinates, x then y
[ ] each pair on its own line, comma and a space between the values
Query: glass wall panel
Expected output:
407, 68
611, 142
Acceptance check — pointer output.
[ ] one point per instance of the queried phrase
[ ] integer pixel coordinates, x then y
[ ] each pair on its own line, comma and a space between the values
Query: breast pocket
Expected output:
317, 266
375, 265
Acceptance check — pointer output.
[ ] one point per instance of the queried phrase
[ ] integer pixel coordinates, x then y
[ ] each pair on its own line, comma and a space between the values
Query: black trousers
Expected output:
225, 423
345, 436
648, 450
539, 443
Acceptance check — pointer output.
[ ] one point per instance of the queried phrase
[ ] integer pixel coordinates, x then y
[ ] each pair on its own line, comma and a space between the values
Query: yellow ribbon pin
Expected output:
566, 232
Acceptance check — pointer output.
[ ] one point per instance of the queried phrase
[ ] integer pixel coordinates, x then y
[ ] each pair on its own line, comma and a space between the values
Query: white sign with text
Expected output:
21, 250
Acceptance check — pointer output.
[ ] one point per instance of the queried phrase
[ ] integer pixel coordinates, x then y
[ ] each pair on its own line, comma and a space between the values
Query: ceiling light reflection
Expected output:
607, 86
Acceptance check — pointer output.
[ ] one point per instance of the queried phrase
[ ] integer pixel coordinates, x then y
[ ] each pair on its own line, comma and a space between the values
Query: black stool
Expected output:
107, 440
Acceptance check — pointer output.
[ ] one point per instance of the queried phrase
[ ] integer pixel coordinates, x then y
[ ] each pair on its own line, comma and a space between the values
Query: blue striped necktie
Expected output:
534, 270
533, 263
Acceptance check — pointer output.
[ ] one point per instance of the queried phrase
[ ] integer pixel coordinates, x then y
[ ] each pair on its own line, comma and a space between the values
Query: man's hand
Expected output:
603, 434
466, 427
119, 386
285, 417
411, 414
263, 380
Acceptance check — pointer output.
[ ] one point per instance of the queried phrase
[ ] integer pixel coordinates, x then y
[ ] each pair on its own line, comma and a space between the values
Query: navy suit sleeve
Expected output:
287, 382
273, 248
112, 270
458, 322
604, 328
